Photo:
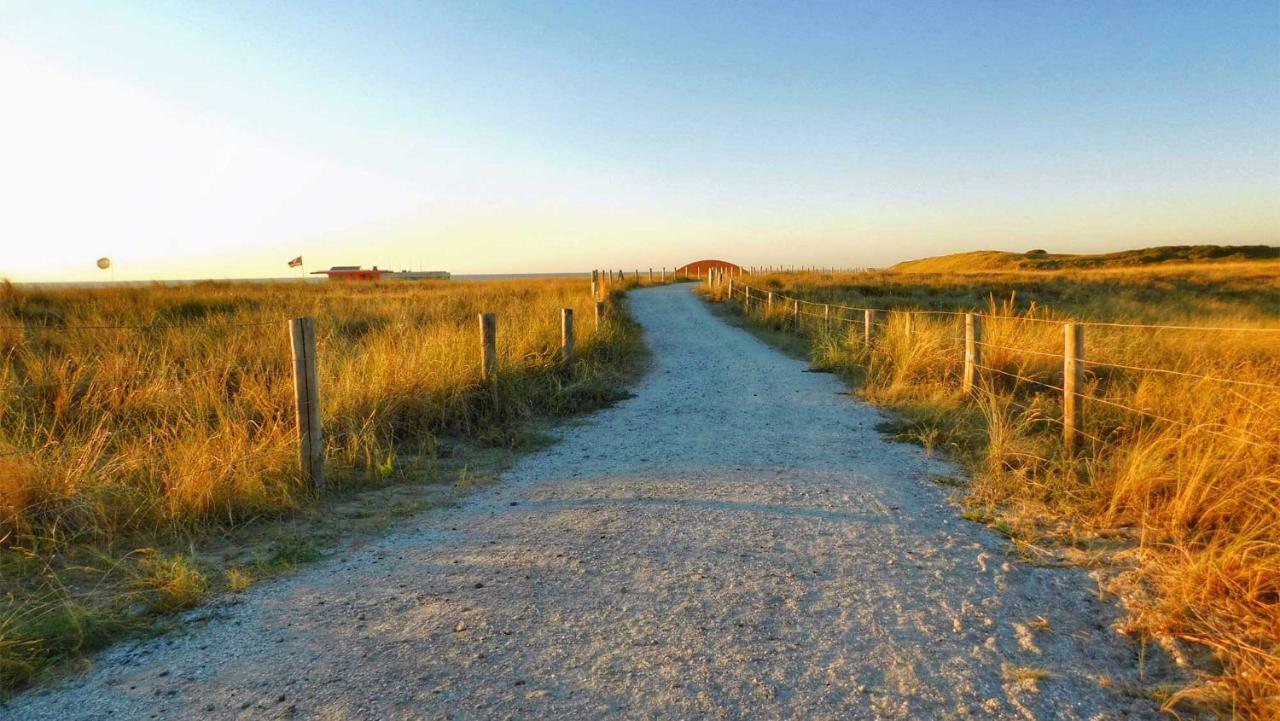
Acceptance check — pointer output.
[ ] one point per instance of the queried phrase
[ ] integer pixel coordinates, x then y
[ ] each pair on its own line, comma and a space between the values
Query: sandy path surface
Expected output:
737, 541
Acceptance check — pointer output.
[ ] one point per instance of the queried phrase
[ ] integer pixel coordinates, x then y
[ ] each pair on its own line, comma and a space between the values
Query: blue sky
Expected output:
221, 139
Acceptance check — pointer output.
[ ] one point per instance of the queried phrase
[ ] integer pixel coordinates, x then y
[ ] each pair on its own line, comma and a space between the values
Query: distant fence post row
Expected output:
715, 276
602, 279
822, 270
1073, 359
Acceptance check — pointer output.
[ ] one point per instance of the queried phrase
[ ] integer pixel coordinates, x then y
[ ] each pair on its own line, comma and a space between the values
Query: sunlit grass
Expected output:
147, 418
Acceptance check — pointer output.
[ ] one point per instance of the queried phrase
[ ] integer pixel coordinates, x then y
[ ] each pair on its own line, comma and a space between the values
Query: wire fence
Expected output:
35, 395
793, 311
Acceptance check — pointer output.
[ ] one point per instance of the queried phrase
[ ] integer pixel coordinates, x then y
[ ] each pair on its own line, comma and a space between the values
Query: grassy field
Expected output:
993, 260
1180, 501
148, 453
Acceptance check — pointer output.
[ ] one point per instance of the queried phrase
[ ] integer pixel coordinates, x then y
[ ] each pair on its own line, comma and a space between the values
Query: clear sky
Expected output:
221, 139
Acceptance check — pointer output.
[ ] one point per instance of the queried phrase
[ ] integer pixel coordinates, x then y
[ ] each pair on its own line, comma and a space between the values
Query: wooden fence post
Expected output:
599, 313
795, 313
595, 279
972, 351
1072, 355
566, 334
306, 397
746, 298
651, 275
868, 325
664, 274
768, 303
488, 346
730, 287
826, 318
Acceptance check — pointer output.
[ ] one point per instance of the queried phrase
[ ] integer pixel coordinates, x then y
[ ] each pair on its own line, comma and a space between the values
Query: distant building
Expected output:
355, 272
418, 275
351, 272
698, 268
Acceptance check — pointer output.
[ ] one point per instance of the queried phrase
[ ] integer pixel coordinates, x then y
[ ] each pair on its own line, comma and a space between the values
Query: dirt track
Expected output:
735, 542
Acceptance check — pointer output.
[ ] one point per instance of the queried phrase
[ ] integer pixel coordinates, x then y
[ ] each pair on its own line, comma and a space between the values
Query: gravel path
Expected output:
735, 542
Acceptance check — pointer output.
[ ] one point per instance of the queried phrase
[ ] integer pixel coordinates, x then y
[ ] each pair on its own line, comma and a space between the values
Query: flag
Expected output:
295, 262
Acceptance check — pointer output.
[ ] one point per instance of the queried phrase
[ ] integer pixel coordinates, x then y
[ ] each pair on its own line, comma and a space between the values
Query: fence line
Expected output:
96, 380
985, 344
1216, 379
1102, 324
305, 377
1072, 357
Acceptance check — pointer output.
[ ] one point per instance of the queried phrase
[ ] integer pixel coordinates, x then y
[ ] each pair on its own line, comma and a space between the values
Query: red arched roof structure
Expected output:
698, 268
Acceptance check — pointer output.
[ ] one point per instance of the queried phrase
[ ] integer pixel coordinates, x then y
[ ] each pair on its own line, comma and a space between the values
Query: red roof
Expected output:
351, 272
700, 267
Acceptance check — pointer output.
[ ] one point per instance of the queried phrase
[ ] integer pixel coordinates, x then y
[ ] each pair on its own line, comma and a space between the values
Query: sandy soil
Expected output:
737, 541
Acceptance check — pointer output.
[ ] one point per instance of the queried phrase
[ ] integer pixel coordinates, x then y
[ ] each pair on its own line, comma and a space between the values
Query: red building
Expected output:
351, 272
698, 268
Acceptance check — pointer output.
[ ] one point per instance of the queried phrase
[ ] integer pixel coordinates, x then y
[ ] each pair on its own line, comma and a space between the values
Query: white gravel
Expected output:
736, 541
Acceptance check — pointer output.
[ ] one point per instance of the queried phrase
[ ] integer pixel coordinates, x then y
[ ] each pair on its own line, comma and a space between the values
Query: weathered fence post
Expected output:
664, 274
730, 287
868, 323
746, 298
595, 279
972, 351
599, 313
826, 318
306, 396
1072, 355
488, 346
566, 334
768, 303
651, 275
795, 313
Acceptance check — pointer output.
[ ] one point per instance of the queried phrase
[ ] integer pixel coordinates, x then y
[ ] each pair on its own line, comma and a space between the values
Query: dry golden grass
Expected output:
152, 417
1198, 494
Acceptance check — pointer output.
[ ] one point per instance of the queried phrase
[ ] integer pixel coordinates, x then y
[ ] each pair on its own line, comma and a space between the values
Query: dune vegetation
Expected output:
138, 424
994, 260
1174, 490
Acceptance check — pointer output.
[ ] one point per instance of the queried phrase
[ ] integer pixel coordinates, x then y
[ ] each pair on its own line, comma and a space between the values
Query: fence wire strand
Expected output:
795, 309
